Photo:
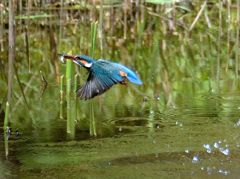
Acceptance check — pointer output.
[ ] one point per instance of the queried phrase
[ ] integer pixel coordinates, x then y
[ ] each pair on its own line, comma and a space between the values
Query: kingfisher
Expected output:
103, 74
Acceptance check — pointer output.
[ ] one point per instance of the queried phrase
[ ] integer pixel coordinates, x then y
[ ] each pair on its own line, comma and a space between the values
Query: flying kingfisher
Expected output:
103, 74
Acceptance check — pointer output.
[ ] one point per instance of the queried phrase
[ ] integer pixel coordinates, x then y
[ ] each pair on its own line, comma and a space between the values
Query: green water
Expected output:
183, 122
138, 140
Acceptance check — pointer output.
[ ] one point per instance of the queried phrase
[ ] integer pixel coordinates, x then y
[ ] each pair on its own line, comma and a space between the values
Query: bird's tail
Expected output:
131, 75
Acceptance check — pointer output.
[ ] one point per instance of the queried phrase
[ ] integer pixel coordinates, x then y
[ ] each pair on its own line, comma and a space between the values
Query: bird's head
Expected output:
82, 60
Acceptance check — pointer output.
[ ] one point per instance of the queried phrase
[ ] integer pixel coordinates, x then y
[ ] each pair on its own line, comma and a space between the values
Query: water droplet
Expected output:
208, 147
187, 151
226, 172
220, 170
179, 123
224, 151
120, 129
17, 133
216, 145
223, 171
195, 159
9, 130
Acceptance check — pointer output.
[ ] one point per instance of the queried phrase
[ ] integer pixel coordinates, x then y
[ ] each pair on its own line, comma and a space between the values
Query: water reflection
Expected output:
193, 135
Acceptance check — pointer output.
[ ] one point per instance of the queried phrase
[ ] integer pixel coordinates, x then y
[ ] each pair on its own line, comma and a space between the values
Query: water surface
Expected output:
197, 137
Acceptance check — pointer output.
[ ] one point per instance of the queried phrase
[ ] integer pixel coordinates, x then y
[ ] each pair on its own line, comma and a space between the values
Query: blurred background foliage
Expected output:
179, 48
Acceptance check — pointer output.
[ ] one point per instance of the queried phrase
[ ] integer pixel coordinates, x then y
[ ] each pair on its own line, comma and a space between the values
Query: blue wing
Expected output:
95, 85
100, 79
102, 76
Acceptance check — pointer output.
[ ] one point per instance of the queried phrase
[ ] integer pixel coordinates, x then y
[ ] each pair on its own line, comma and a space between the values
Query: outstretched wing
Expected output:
95, 85
103, 75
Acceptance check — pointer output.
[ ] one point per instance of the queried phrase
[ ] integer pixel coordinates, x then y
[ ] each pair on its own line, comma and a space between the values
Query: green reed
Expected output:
237, 40
74, 111
94, 26
70, 120
6, 128
11, 51
6, 116
6, 144
61, 95
92, 123
100, 28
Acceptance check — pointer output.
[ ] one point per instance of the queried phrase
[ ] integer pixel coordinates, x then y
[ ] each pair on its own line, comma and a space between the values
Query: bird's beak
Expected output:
66, 56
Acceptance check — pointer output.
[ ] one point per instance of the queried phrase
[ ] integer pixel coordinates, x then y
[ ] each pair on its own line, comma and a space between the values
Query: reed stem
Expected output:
75, 85
1, 32
6, 134
70, 120
228, 33
219, 44
92, 126
11, 51
125, 5
93, 130
6, 116
100, 28
94, 26
75, 98
68, 77
6, 144
237, 39
61, 87
61, 95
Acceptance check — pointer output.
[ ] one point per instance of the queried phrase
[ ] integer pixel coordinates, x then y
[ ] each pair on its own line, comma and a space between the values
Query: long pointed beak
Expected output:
66, 56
